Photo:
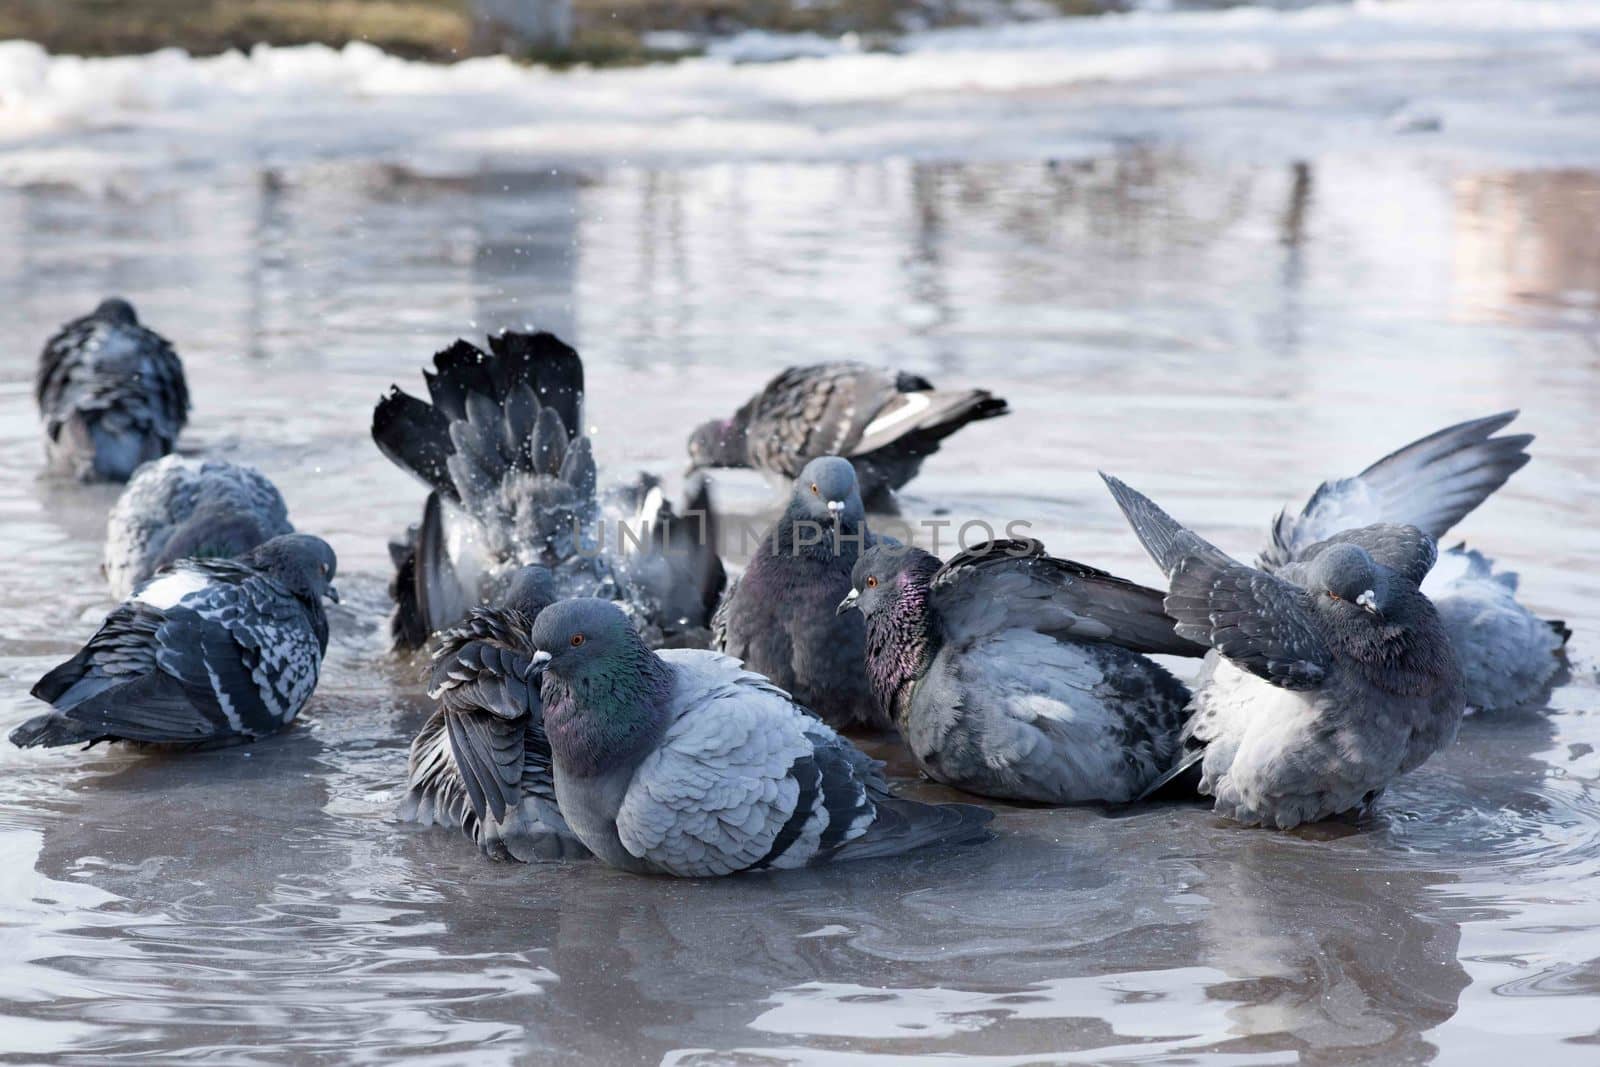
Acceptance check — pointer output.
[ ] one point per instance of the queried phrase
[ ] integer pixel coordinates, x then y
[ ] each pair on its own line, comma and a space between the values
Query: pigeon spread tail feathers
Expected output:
487, 415
499, 443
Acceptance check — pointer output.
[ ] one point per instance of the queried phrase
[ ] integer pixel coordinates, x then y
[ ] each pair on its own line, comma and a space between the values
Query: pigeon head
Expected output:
884, 575
303, 564
827, 492
530, 591
1347, 580
718, 443
580, 639
604, 693
115, 309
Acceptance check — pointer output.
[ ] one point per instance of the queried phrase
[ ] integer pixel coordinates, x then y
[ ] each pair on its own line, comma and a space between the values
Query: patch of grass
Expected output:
431, 29
605, 32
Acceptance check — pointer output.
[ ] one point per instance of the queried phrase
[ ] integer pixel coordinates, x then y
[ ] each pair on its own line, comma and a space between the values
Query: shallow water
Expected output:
1224, 335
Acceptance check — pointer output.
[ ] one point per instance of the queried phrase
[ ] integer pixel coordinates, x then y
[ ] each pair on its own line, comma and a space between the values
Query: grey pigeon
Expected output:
207, 651
683, 763
112, 394
1327, 679
176, 508
481, 764
666, 559
512, 482
885, 422
780, 617
1017, 675
1508, 655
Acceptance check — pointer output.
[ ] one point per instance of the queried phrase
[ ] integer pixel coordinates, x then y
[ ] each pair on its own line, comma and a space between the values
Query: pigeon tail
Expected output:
1182, 782
514, 408
915, 423
51, 730
906, 825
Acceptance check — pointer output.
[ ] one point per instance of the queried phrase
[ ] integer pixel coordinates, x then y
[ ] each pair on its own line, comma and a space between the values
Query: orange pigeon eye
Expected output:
872, 583
577, 640
814, 488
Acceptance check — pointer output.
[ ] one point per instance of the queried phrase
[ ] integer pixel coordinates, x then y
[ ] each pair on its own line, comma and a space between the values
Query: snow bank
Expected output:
1482, 68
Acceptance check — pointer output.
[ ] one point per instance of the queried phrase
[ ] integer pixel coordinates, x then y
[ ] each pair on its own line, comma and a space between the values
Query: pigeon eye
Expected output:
814, 488
1334, 596
577, 640
872, 583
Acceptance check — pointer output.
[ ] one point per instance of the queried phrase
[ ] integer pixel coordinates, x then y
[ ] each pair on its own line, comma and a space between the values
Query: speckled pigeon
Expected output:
780, 617
1509, 657
1017, 675
1327, 679
683, 763
207, 651
176, 508
112, 394
481, 764
885, 422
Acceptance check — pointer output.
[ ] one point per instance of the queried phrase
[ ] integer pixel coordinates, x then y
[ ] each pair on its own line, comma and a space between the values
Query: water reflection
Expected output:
1226, 334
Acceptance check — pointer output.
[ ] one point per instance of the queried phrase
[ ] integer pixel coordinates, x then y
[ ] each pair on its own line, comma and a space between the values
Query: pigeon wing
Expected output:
479, 677
1258, 621
815, 410
1432, 484
742, 778
1016, 584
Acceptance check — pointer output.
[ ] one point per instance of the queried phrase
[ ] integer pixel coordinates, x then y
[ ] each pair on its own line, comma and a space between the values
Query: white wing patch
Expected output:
911, 407
169, 590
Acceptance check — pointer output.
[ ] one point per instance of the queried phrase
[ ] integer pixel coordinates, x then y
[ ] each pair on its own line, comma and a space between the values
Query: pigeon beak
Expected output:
1369, 602
537, 664
848, 603
836, 511
331, 593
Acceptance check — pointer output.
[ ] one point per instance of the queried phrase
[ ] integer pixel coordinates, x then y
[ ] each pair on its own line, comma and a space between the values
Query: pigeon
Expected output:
208, 651
1017, 675
683, 763
1509, 656
1325, 681
779, 618
667, 561
481, 764
112, 394
176, 508
512, 482
885, 422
